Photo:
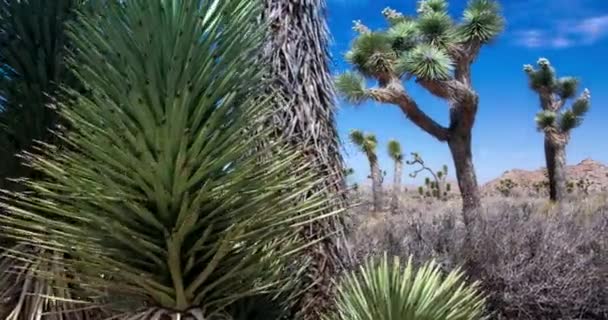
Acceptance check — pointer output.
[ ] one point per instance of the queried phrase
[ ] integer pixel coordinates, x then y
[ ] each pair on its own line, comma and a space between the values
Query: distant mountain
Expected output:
593, 173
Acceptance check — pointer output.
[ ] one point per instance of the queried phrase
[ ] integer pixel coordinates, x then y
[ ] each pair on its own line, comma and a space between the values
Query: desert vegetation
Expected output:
174, 159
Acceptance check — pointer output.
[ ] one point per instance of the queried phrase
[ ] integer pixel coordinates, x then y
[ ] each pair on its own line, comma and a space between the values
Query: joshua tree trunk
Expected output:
460, 146
296, 52
376, 175
555, 155
396, 186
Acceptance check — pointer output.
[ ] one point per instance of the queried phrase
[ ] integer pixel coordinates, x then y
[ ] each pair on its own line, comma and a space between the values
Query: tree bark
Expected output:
376, 176
460, 146
555, 156
396, 186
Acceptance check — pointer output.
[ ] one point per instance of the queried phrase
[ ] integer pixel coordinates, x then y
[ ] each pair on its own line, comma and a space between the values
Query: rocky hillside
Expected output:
588, 176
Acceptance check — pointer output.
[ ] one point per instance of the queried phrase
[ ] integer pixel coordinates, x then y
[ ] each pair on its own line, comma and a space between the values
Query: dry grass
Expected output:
535, 261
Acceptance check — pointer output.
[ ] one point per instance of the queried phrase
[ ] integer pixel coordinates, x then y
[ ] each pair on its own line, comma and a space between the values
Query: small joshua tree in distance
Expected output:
438, 53
367, 143
437, 188
555, 120
395, 153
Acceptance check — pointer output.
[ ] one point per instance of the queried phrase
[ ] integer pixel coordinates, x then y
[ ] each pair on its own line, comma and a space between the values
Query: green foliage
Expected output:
554, 94
545, 119
164, 189
425, 46
367, 142
567, 87
426, 62
372, 54
394, 150
436, 29
388, 290
33, 46
352, 87
482, 21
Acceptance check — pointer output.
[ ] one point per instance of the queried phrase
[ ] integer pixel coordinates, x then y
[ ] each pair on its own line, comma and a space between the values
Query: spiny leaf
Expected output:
482, 21
426, 62
566, 87
351, 86
394, 150
385, 289
545, 119
372, 53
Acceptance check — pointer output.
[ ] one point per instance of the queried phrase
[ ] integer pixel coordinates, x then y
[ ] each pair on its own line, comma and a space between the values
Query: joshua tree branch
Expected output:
394, 93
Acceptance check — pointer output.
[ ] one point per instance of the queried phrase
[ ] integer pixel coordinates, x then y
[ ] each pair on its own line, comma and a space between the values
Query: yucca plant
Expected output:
395, 153
33, 47
161, 192
387, 290
437, 52
367, 143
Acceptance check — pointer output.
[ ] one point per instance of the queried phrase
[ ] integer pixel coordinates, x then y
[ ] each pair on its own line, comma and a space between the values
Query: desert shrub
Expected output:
534, 261
387, 290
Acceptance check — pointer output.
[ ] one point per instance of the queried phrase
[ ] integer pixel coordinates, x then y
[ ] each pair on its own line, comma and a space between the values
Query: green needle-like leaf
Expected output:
426, 62
352, 87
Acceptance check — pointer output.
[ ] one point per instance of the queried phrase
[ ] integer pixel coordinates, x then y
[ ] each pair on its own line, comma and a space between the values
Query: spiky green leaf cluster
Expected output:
372, 54
388, 290
546, 119
404, 35
482, 21
437, 29
543, 77
394, 150
544, 81
566, 87
426, 46
367, 142
426, 62
163, 188
351, 86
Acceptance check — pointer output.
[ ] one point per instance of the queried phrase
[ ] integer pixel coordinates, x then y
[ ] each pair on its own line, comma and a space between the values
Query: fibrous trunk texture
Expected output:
376, 176
396, 186
555, 156
297, 53
460, 146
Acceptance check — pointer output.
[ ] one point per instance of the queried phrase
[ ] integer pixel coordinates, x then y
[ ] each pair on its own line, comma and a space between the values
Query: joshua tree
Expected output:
438, 53
437, 188
367, 144
395, 152
296, 51
158, 194
555, 120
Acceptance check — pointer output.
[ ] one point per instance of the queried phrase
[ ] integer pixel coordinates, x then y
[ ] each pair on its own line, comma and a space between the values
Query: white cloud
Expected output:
565, 34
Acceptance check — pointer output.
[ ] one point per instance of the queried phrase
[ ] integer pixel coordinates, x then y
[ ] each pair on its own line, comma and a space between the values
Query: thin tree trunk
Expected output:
396, 186
376, 176
555, 155
460, 146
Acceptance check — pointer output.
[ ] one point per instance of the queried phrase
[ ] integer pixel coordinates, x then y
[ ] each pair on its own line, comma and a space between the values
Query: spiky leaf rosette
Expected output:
394, 150
426, 62
372, 54
546, 119
366, 142
159, 190
482, 21
388, 290
352, 87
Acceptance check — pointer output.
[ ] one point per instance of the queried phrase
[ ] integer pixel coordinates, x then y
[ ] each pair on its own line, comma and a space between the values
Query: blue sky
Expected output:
572, 34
